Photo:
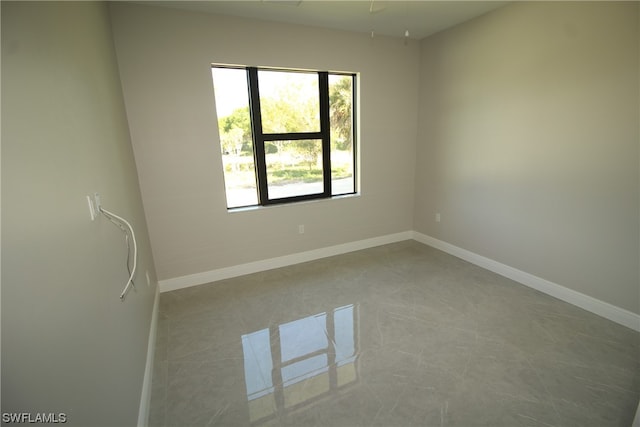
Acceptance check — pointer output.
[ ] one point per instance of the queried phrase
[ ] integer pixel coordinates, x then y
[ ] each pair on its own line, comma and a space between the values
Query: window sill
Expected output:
281, 205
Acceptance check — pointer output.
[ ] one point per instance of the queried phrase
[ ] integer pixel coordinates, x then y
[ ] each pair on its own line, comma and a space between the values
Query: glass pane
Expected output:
304, 369
258, 363
341, 120
289, 101
236, 142
344, 336
294, 168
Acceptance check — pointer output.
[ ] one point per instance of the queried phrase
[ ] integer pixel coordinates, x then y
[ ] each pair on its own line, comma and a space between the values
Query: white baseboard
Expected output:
283, 261
145, 398
601, 308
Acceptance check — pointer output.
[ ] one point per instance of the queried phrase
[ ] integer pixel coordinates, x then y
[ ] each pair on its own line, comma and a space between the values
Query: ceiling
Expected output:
390, 18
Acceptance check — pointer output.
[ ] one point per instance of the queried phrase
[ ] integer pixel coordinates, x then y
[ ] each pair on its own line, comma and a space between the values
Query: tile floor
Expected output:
396, 335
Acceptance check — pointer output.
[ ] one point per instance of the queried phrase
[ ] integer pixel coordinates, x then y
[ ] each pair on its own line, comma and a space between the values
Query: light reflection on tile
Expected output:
396, 335
291, 365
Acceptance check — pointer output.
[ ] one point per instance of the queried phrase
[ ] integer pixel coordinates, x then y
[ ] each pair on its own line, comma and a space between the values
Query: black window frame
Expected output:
324, 134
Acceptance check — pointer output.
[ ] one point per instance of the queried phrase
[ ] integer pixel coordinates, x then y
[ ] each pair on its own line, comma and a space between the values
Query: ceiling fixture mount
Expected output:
373, 8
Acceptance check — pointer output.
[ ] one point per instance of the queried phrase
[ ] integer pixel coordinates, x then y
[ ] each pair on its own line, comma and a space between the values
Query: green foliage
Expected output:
292, 110
235, 132
340, 172
242, 167
239, 118
270, 148
340, 113
300, 174
295, 174
309, 149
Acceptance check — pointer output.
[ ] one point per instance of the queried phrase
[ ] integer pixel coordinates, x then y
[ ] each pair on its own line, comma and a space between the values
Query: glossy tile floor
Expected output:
396, 335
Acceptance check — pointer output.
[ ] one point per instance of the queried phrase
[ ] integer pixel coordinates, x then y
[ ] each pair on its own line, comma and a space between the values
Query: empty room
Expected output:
315, 213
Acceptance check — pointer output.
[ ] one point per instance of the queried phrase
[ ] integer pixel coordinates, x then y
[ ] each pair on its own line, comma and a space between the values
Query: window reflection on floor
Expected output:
299, 362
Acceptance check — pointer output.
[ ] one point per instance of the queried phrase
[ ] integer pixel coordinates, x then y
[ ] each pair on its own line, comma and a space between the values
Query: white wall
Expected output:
68, 343
165, 56
528, 143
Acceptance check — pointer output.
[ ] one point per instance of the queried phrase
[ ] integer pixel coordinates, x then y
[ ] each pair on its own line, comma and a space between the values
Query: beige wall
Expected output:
528, 143
68, 343
164, 57
527, 124
527, 130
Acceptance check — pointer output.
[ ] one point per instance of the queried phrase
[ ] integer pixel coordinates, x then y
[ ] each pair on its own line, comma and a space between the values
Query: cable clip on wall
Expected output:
124, 225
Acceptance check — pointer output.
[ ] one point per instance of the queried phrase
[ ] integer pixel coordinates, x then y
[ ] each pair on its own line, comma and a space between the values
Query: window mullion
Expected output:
323, 84
258, 137
292, 136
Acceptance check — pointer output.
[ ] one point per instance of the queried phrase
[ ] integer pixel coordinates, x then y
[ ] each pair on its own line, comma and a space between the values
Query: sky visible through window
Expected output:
227, 99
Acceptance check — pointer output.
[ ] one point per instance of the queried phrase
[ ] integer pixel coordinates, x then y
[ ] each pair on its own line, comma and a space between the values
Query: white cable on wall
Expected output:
111, 216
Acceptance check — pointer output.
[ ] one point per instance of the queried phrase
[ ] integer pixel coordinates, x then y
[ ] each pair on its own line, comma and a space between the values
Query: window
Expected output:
285, 135
299, 363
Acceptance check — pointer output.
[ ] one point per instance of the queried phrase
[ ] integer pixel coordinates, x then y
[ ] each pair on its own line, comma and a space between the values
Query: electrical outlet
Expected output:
438, 217
301, 229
